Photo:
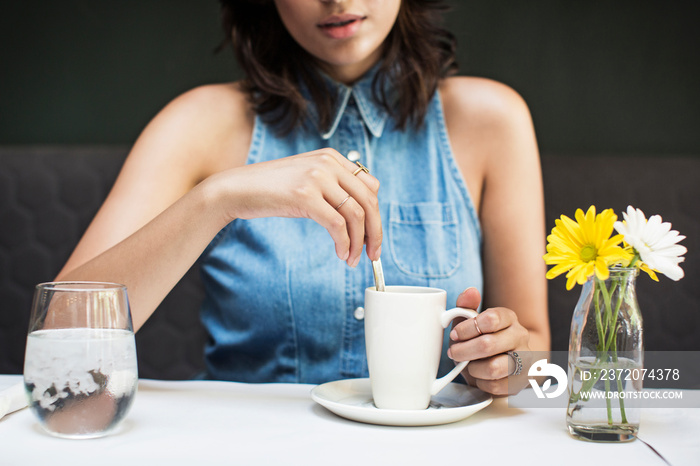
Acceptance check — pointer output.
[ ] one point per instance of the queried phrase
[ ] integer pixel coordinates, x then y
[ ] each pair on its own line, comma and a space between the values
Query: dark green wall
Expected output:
609, 77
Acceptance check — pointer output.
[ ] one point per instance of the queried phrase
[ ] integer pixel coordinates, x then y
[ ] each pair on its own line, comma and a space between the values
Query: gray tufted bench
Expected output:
49, 194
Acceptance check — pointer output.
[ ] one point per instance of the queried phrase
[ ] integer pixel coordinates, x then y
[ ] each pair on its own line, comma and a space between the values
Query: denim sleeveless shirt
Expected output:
281, 307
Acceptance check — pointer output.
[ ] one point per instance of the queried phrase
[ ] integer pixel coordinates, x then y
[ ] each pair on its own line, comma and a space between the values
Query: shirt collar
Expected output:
373, 114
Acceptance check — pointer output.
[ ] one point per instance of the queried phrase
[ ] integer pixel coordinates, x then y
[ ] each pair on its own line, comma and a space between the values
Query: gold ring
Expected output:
341, 204
475, 324
361, 169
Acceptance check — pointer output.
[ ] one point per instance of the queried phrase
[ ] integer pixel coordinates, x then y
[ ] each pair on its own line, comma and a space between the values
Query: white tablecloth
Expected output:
193, 422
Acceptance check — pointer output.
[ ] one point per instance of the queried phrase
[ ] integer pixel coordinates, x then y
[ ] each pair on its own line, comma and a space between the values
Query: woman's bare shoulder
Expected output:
211, 124
216, 110
489, 128
224, 99
485, 118
484, 102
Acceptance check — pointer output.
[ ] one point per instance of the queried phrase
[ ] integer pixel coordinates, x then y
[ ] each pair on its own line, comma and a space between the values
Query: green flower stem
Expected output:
608, 403
606, 326
599, 321
612, 347
623, 415
588, 384
604, 337
634, 260
611, 342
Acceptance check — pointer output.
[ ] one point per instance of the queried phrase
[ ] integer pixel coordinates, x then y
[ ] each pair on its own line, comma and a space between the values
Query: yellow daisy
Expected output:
584, 247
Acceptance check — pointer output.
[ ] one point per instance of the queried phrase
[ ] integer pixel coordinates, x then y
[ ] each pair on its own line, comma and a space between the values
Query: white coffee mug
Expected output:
404, 330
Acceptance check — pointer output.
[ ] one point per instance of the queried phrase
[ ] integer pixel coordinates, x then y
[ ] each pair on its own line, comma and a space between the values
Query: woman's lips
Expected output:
341, 26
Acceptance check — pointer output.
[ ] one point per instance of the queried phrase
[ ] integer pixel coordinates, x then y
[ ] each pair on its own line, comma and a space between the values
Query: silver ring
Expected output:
341, 204
518, 362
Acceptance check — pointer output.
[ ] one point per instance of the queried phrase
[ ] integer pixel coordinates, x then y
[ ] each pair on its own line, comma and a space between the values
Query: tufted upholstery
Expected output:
49, 194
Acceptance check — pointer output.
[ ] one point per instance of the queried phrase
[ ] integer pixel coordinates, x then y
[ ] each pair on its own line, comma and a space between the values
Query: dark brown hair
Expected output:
417, 53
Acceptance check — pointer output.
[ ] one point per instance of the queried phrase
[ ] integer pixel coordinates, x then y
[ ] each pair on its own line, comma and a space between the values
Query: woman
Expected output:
215, 177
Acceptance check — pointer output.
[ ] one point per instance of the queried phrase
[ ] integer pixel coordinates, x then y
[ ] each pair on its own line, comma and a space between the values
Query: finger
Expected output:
493, 368
496, 387
487, 345
489, 321
354, 217
355, 223
370, 181
469, 298
466, 329
360, 169
367, 199
503, 386
330, 219
363, 187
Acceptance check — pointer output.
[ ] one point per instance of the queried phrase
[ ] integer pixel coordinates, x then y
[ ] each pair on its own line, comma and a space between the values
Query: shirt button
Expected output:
353, 156
359, 313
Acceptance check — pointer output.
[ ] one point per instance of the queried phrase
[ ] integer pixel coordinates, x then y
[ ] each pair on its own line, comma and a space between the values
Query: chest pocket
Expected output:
424, 239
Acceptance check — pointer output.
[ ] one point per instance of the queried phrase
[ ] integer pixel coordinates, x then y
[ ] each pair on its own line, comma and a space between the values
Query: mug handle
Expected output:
445, 319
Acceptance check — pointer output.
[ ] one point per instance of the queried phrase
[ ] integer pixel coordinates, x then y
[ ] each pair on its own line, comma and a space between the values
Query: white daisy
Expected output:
654, 242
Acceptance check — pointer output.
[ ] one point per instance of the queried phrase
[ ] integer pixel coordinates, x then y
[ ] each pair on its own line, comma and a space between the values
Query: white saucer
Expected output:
352, 399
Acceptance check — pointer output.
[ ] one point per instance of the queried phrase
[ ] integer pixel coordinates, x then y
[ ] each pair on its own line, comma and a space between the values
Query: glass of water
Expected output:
80, 370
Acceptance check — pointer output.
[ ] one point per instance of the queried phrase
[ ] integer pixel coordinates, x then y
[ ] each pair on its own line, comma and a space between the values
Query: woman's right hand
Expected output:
310, 185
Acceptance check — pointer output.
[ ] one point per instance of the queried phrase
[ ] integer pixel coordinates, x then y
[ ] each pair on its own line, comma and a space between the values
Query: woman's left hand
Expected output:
485, 341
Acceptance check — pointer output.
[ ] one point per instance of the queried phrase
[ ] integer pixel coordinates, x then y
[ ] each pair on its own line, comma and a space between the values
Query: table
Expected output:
198, 422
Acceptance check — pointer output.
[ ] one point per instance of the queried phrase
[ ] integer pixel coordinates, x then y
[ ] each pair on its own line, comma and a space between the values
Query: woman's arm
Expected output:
186, 178
153, 225
493, 139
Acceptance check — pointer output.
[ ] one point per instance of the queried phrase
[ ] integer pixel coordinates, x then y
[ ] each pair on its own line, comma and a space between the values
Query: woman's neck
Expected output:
349, 74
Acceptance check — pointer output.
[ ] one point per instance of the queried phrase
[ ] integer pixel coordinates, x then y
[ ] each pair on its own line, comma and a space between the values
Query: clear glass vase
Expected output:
606, 355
